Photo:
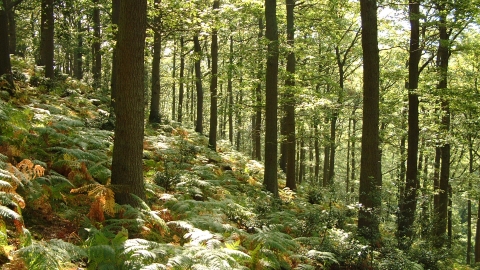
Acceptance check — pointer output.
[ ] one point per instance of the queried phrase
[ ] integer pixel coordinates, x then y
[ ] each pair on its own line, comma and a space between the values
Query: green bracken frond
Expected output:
5, 186
8, 213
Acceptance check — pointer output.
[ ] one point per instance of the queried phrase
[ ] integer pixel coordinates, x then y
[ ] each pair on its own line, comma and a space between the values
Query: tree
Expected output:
47, 37
257, 148
271, 98
5, 65
198, 84
212, 135
370, 178
127, 168
154, 116
289, 120
408, 203
96, 47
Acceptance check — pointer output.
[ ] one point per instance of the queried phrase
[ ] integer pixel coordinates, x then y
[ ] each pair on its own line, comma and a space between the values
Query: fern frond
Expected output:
322, 256
180, 262
7, 213
274, 240
154, 266
85, 188
5, 186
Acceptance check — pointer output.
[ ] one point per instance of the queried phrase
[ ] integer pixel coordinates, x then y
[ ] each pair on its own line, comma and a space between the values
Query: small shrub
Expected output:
166, 181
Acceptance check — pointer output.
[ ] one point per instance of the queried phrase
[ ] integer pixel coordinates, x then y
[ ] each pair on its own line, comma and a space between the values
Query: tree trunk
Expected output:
97, 55
154, 116
5, 64
78, 55
442, 62
113, 90
181, 91
198, 85
230, 92
258, 96
271, 98
174, 77
370, 180
290, 98
408, 204
12, 26
471, 161
47, 36
127, 165
354, 140
212, 134
477, 236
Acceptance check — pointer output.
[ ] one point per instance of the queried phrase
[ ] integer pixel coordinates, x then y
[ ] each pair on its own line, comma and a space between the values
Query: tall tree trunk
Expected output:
78, 54
230, 92
370, 180
409, 201
469, 201
154, 116
290, 98
46, 39
113, 84
354, 140
127, 167
316, 146
12, 26
97, 54
442, 62
212, 134
477, 236
258, 99
181, 91
271, 98
5, 64
198, 85
174, 78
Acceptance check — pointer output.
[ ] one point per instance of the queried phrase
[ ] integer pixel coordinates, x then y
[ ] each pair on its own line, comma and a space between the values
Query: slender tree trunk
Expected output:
469, 201
127, 167
290, 98
174, 78
258, 100
302, 172
154, 116
198, 85
477, 236
442, 60
182, 82
271, 98
316, 146
370, 180
212, 135
97, 54
113, 90
230, 92
409, 200
47, 36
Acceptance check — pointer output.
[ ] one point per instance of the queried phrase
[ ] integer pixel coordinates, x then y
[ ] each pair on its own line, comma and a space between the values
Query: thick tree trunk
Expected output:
370, 180
271, 98
212, 134
198, 85
5, 65
408, 203
127, 167
154, 116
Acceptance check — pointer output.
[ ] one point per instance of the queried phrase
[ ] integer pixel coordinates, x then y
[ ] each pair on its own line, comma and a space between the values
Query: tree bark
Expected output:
113, 90
258, 106
96, 46
154, 116
370, 180
408, 203
442, 62
78, 54
290, 98
127, 165
181, 87
47, 38
271, 98
212, 134
198, 85
230, 92
5, 64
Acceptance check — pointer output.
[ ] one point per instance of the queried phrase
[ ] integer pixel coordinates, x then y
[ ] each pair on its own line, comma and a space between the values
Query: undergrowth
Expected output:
204, 210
